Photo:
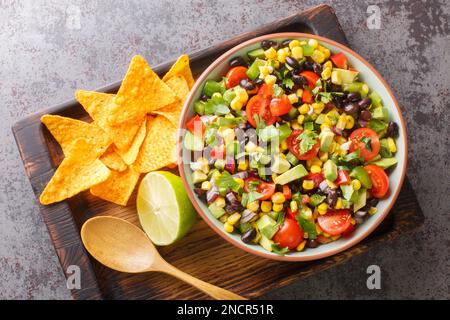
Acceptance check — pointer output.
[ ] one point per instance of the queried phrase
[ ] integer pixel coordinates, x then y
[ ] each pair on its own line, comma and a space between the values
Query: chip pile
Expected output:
132, 132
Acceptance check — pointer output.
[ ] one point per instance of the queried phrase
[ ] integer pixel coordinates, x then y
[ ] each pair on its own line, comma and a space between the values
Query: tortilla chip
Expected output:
159, 147
118, 188
181, 67
141, 92
67, 130
79, 171
173, 111
130, 155
99, 106
112, 160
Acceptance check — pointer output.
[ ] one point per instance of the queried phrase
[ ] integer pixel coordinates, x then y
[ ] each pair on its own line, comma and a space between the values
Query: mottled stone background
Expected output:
45, 55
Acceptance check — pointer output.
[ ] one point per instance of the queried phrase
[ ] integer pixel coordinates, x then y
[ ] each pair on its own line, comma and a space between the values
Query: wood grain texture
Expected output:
201, 253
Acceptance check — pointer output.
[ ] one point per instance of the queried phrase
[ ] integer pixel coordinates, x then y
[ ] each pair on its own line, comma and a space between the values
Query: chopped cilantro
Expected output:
288, 83
367, 142
307, 140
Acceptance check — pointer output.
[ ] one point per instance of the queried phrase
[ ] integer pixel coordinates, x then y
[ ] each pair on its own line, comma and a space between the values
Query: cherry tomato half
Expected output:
294, 146
267, 189
287, 192
312, 78
280, 106
335, 222
266, 90
317, 178
235, 75
259, 105
356, 143
289, 235
343, 178
339, 60
307, 97
196, 126
380, 180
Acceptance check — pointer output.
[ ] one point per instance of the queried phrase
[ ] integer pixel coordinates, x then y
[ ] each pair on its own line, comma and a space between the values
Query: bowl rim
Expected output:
269, 255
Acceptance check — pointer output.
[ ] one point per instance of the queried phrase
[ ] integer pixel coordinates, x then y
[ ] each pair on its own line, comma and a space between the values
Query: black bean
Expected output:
308, 65
334, 87
364, 103
200, 193
312, 243
372, 202
204, 98
285, 43
317, 68
332, 198
266, 44
339, 102
300, 80
354, 96
392, 129
346, 133
365, 115
247, 84
258, 81
293, 63
248, 235
237, 61
351, 108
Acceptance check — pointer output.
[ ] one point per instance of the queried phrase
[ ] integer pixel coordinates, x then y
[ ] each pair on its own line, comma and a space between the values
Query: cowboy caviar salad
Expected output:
290, 149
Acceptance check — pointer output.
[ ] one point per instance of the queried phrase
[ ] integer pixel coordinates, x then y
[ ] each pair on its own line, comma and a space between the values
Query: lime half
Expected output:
165, 211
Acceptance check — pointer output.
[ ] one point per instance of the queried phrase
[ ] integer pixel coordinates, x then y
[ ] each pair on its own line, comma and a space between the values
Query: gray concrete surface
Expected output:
50, 48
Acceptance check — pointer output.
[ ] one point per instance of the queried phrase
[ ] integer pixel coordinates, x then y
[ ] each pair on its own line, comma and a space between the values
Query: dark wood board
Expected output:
201, 253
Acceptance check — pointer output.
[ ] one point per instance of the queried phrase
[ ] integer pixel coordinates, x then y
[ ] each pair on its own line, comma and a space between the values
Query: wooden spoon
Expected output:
122, 246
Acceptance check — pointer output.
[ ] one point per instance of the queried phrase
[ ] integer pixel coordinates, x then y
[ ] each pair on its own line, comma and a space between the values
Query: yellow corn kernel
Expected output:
224, 218
266, 206
326, 73
308, 184
278, 197
323, 156
316, 161
356, 184
318, 107
243, 165
253, 206
313, 43
324, 125
270, 53
293, 205
277, 207
365, 89
336, 77
293, 44
283, 145
220, 202
276, 64
250, 147
328, 64
318, 229
350, 122
234, 218
315, 169
263, 71
206, 185
352, 221
334, 238
281, 58
303, 43
340, 139
301, 246
295, 125
242, 94
326, 52
274, 177
297, 52
270, 79
293, 98
228, 227
283, 52
333, 147
307, 212
300, 119
338, 204
240, 182
322, 208
299, 93
391, 145
304, 108
318, 56
373, 210
236, 104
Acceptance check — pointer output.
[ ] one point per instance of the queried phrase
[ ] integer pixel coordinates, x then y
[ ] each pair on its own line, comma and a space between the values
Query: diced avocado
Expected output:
308, 126
326, 139
385, 152
284, 131
307, 50
253, 71
292, 174
359, 199
212, 87
266, 243
380, 113
316, 199
279, 165
257, 53
192, 142
292, 114
386, 162
361, 174
216, 211
198, 176
353, 87
347, 191
199, 107
229, 95
376, 99
267, 226
348, 76
274, 215
292, 159
321, 118
330, 170
243, 227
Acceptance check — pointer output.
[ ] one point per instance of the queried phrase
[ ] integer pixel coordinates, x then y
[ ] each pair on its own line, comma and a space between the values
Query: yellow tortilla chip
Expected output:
79, 171
67, 130
159, 147
173, 111
118, 187
141, 92
99, 106
181, 67
130, 155
112, 160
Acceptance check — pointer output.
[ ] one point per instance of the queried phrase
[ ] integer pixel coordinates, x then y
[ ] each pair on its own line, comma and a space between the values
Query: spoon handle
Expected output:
211, 290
